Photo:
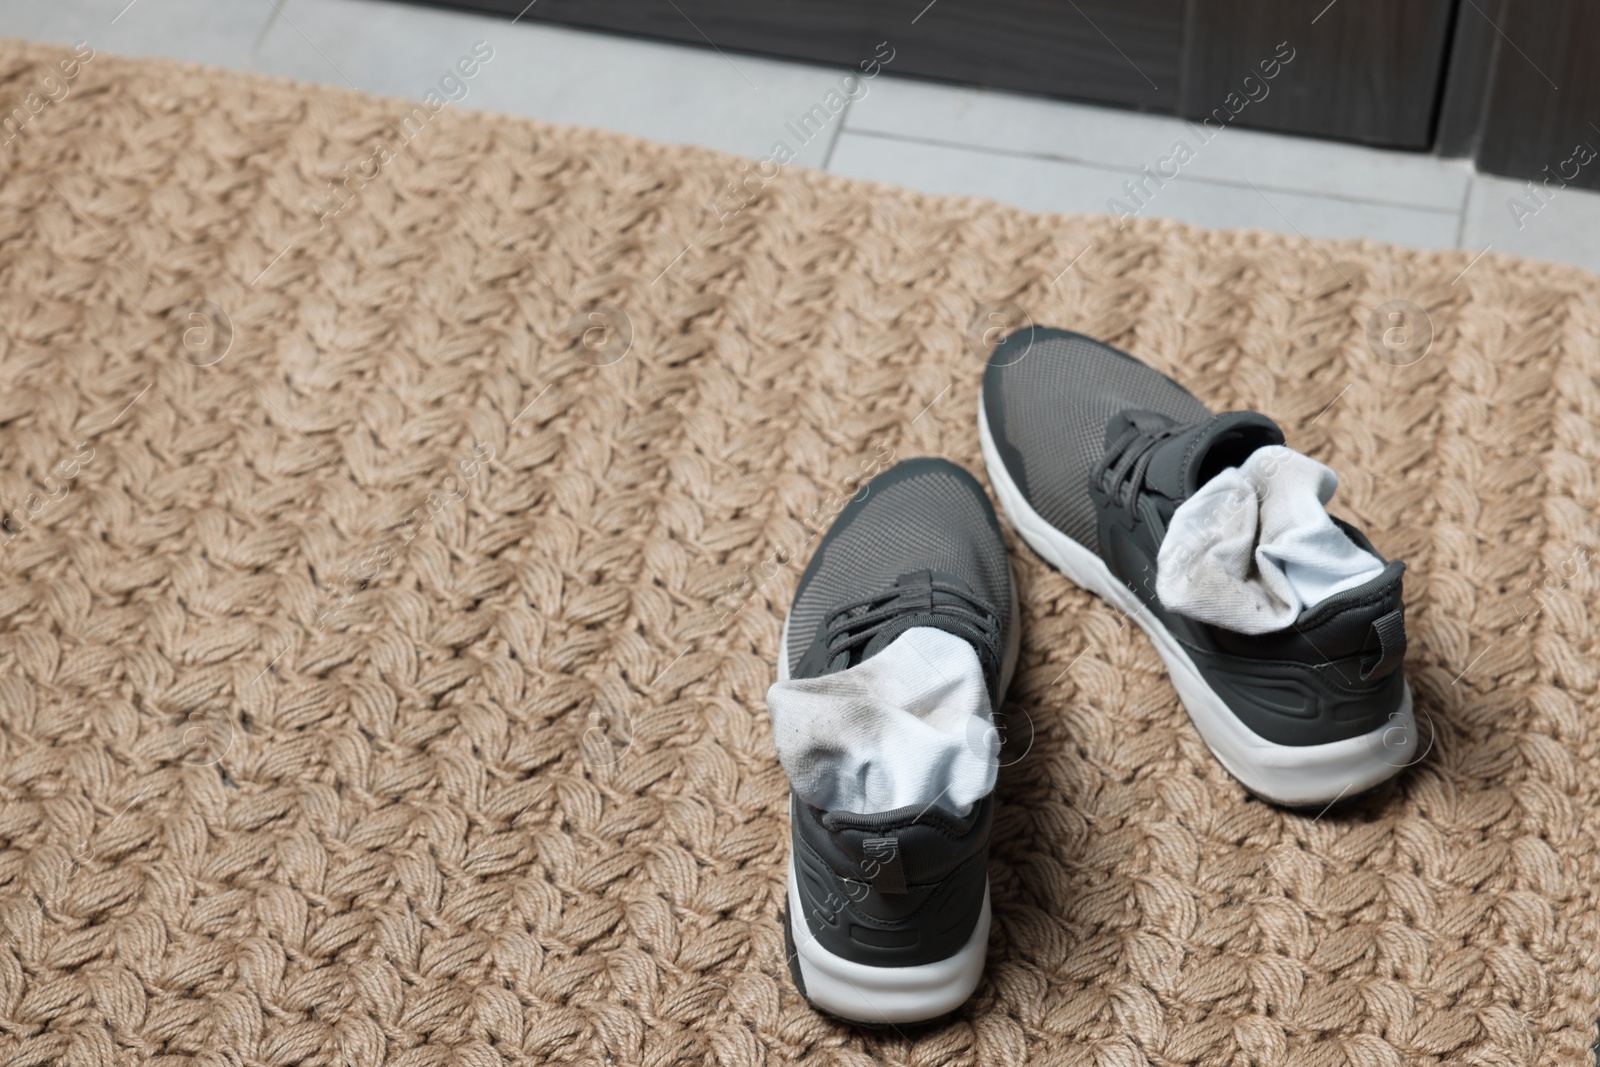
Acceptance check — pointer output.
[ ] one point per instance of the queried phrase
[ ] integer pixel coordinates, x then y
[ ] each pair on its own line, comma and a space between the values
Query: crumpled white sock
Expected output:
1254, 547
910, 726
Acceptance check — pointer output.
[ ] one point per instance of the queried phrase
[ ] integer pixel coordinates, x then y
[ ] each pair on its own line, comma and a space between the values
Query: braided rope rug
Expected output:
387, 606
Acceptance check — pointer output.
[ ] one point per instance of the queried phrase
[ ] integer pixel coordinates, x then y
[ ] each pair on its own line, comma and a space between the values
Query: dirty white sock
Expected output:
910, 726
1254, 547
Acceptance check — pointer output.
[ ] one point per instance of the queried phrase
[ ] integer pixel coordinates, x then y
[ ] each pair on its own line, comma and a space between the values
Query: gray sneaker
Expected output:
1090, 452
887, 918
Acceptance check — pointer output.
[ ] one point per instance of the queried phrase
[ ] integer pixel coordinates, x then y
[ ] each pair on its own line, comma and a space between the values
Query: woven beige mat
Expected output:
392, 577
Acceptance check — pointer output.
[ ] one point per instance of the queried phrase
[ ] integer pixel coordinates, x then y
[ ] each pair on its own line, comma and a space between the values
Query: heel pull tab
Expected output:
884, 865
1389, 635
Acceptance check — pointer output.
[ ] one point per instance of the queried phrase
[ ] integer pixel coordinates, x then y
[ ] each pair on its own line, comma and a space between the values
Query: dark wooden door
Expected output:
1524, 90
1056, 47
1362, 70
1511, 82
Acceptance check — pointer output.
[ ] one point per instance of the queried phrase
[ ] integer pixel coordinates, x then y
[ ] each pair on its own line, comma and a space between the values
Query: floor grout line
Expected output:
1461, 224
1123, 169
263, 32
838, 132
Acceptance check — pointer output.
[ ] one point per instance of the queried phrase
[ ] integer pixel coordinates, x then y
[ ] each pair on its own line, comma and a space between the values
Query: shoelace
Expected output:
1121, 470
971, 617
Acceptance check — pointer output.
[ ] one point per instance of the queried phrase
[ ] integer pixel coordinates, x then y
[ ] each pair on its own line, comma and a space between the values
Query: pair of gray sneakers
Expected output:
1089, 452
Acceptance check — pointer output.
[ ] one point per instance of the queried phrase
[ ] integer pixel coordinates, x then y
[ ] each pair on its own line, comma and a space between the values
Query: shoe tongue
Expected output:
917, 598
1189, 459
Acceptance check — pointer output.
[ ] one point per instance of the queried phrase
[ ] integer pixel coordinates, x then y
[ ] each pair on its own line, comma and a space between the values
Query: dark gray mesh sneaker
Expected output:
888, 914
1090, 452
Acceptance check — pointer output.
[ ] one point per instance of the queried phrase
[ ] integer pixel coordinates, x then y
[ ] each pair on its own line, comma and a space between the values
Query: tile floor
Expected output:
1038, 154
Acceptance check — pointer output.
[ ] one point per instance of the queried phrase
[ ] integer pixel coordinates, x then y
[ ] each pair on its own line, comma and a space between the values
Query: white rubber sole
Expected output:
868, 994
1292, 775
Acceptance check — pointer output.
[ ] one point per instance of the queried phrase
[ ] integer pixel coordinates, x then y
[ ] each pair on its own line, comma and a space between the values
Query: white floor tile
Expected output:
1562, 229
195, 31
1083, 133
1052, 185
667, 92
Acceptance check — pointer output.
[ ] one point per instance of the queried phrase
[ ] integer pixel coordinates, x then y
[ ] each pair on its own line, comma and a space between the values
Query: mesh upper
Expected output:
923, 514
1048, 402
